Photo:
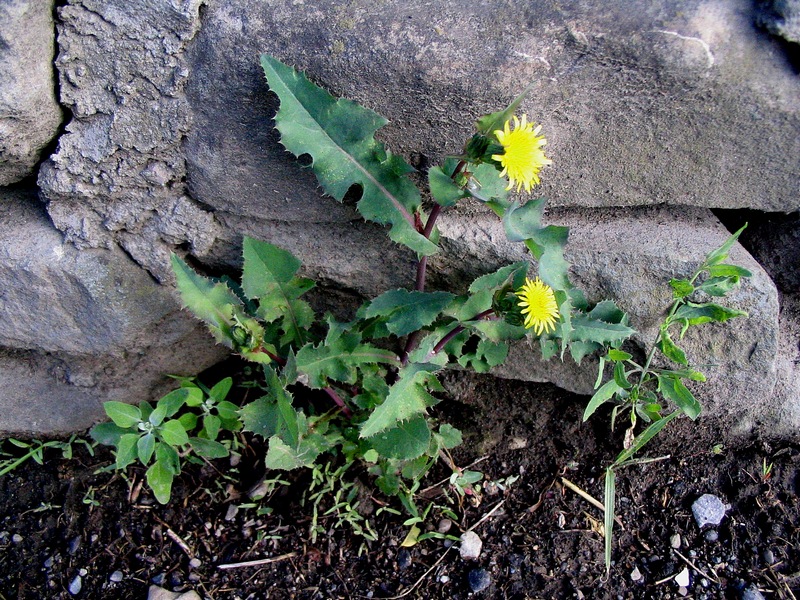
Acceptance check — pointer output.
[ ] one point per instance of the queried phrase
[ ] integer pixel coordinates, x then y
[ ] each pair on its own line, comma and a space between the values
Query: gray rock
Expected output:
752, 592
159, 593
471, 545
781, 17
479, 580
116, 577
81, 327
29, 113
708, 509
75, 585
609, 261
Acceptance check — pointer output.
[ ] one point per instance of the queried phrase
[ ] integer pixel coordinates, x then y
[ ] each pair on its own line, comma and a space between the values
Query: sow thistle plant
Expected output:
378, 371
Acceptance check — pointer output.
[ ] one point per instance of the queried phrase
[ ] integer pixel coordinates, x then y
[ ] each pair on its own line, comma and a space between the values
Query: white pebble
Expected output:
195, 563
636, 575
682, 578
76, 585
471, 546
709, 510
675, 541
17, 538
116, 576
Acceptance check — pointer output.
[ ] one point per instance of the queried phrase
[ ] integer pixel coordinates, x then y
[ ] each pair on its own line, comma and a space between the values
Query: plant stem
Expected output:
339, 402
455, 331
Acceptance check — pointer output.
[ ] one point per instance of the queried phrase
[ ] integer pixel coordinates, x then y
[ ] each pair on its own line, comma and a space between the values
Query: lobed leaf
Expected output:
601, 332
407, 311
407, 398
697, 314
338, 135
406, 441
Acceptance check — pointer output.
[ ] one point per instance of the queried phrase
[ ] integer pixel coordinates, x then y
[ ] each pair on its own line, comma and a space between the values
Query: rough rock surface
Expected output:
683, 104
781, 17
630, 256
29, 113
81, 327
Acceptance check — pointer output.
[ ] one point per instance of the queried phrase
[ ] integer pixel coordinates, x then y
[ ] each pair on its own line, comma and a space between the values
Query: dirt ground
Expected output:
70, 522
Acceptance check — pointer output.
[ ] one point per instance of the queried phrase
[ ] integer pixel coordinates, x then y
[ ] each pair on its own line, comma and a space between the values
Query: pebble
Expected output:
76, 585
711, 535
116, 576
636, 575
708, 509
444, 525
17, 538
479, 580
682, 578
675, 541
769, 556
751, 593
48, 563
471, 546
230, 515
74, 544
403, 559
195, 563
444, 579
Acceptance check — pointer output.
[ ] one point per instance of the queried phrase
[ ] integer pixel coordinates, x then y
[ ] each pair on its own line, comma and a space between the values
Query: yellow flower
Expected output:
522, 156
539, 306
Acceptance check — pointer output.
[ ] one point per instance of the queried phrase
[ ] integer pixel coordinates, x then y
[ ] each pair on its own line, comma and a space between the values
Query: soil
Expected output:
69, 519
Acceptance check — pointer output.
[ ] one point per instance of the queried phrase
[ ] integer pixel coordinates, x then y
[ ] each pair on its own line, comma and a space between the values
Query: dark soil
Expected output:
69, 518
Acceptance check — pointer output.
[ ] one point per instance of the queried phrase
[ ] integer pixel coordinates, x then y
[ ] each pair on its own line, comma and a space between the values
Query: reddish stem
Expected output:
455, 331
339, 402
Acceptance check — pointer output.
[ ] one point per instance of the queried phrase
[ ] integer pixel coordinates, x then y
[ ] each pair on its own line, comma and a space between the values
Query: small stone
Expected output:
444, 525
230, 515
751, 592
636, 575
444, 579
682, 578
76, 585
479, 580
159, 578
709, 510
17, 538
195, 563
74, 544
471, 546
769, 556
116, 576
675, 541
403, 559
48, 563
711, 535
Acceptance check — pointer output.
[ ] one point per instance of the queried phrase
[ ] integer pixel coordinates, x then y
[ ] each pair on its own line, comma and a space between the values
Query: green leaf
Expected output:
269, 275
338, 135
407, 440
208, 448
168, 457
126, 450
227, 411
159, 479
173, 401
719, 286
145, 448
487, 186
338, 356
220, 391
449, 436
605, 393
669, 349
210, 301
443, 189
407, 311
697, 314
188, 421
486, 356
407, 398
173, 433
644, 437
211, 426
673, 389
108, 434
284, 457
681, 288
610, 494
589, 329
123, 415
620, 378
490, 123
513, 273
618, 355
580, 349
728, 271
717, 256
157, 416
261, 417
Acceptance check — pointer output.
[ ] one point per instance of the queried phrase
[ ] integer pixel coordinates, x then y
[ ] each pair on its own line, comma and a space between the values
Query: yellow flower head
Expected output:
539, 306
522, 156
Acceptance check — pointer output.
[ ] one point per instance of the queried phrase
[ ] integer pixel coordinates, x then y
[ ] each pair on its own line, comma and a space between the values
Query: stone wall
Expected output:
657, 118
